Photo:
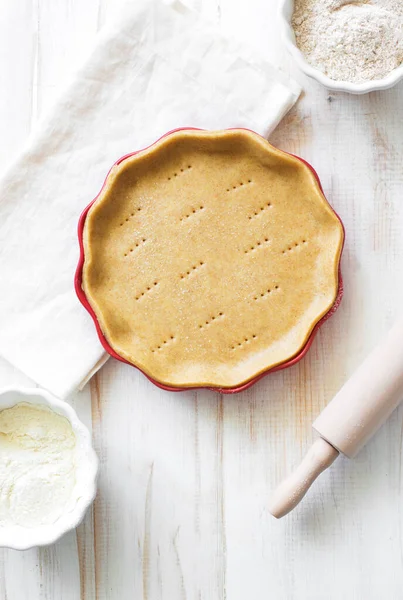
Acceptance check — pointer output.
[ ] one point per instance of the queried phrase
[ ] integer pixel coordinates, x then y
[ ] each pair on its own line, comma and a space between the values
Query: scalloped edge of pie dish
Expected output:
225, 390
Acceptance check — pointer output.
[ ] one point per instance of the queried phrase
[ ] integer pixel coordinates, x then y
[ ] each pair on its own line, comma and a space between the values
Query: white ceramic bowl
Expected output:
22, 538
287, 33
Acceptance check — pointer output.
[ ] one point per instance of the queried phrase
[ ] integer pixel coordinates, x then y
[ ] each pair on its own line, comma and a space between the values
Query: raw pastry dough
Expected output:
210, 257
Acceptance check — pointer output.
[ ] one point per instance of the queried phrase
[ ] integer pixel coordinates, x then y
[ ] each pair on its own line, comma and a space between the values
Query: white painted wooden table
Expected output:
181, 509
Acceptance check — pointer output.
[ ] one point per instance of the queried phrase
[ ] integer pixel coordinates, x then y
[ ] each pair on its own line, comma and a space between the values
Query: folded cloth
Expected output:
157, 68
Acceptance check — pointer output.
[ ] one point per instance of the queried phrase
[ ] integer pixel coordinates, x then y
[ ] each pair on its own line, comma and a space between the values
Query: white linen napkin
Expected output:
159, 67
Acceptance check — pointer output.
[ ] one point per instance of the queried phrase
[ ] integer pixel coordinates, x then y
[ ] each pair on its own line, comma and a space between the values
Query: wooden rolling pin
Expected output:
353, 416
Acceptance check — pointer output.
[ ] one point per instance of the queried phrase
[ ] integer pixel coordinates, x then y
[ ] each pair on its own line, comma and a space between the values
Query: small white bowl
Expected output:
22, 538
287, 34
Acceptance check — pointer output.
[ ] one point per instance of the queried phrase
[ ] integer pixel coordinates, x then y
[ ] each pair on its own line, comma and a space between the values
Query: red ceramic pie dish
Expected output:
231, 390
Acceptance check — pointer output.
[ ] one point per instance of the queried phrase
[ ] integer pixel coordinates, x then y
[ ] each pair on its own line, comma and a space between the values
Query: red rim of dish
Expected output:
233, 390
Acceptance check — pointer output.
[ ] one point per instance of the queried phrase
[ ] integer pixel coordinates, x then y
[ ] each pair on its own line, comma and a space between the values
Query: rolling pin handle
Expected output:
291, 491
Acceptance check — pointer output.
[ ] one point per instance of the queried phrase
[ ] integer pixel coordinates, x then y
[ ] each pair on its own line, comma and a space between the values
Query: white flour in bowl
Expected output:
352, 41
37, 465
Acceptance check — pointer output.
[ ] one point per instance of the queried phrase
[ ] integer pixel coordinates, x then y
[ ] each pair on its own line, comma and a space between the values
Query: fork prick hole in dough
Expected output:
211, 320
239, 184
260, 211
131, 215
149, 288
163, 343
181, 170
192, 270
258, 245
192, 212
266, 293
246, 340
294, 245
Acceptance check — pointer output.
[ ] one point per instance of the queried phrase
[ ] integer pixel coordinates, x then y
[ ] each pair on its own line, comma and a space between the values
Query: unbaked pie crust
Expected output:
210, 257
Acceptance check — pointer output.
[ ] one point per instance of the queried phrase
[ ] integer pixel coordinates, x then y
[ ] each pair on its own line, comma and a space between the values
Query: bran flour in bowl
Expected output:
353, 46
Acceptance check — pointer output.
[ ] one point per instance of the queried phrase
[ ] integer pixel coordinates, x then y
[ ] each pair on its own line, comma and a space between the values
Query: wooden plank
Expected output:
44, 40
66, 32
17, 59
145, 513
